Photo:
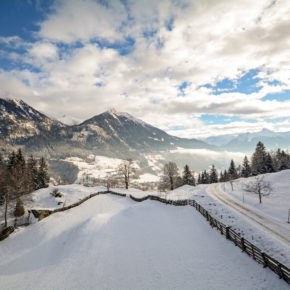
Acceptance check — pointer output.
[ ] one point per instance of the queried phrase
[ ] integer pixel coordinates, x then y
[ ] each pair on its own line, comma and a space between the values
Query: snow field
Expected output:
112, 242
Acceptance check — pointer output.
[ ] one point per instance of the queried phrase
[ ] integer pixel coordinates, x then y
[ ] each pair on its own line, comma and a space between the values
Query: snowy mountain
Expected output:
19, 121
111, 133
246, 142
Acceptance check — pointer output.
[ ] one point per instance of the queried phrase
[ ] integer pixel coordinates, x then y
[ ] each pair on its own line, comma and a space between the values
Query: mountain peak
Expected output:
113, 111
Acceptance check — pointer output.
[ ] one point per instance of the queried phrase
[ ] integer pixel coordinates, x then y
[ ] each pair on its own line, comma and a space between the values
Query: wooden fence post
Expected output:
253, 253
281, 273
228, 233
243, 244
265, 260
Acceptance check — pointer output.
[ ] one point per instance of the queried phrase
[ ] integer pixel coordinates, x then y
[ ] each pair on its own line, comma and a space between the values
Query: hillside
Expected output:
110, 242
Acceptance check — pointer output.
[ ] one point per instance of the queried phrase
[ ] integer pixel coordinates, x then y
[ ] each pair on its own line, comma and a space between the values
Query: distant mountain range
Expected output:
247, 142
111, 133
119, 135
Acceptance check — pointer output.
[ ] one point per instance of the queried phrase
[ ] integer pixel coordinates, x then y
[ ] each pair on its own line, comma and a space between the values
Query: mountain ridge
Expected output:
111, 133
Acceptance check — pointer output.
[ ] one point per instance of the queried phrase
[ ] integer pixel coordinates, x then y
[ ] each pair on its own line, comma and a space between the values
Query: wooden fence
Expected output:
246, 246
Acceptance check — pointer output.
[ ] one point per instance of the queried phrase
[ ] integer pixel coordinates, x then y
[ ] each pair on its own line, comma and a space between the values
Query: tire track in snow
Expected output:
279, 231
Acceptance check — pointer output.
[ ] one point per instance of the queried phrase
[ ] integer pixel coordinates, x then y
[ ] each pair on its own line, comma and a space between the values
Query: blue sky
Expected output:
179, 65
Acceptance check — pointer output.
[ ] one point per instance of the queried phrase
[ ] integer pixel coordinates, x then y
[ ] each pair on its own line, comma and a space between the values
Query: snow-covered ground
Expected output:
100, 167
113, 242
276, 205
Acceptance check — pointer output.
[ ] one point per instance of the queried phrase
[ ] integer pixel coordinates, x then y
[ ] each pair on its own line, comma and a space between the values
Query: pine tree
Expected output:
226, 176
232, 172
20, 160
199, 181
187, 176
213, 178
31, 174
42, 176
246, 168
269, 163
11, 160
281, 160
204, 177
258, 159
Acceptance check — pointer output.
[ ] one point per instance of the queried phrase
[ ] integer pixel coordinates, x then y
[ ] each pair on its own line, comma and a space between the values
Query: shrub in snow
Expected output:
19, 208
56, 193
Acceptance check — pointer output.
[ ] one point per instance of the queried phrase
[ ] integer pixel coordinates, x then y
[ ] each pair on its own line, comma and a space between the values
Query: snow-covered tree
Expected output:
42, 175
205, 177
188, 177
232, 172
258, 159
31, 174
125, 171
213, 178
269, 166
246, 168
260, 187
170, 175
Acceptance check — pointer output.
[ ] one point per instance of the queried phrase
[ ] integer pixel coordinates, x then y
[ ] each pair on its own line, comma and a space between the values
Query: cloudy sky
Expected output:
193, 68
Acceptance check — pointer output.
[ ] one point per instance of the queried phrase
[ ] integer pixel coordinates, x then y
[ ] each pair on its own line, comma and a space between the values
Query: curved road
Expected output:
279, 230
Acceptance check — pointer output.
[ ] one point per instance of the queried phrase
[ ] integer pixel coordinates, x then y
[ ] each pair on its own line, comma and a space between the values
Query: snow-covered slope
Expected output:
276, 205
114, 243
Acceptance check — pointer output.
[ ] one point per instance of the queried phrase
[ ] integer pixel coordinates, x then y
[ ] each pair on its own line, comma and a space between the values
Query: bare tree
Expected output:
170, 175
259, 186
125, 171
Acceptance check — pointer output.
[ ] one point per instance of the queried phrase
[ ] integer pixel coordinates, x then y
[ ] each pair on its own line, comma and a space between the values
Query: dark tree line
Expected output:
20, 176
261, 162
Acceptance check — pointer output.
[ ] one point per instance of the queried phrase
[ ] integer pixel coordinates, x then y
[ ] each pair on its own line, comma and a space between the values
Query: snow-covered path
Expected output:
112, 242
279, 230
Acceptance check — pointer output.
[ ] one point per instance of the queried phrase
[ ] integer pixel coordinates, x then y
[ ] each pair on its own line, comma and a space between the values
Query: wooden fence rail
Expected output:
246, 246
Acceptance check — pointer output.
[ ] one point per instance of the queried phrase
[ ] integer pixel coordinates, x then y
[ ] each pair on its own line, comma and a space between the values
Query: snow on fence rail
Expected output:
246, 246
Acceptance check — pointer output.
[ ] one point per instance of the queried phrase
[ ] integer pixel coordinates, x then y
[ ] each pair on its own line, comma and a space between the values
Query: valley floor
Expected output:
112, 242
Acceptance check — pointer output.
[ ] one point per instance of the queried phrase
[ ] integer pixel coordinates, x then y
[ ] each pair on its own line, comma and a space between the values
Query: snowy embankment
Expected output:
113, 242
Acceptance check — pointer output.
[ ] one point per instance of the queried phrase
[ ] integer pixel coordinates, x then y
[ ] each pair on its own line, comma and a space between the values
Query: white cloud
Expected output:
74, 21
209, 41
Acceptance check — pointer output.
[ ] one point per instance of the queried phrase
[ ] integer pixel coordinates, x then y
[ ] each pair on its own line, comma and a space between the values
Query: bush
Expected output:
19, 208
56, 193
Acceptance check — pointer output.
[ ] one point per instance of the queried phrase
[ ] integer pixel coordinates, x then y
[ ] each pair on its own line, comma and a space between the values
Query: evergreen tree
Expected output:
259, 159
204, 177
20, 160
11, 160
232, 172
281, 160
213, 178
31, 174
187, 176
199, 181
269, 163
246, 168
42, 176
226, 176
